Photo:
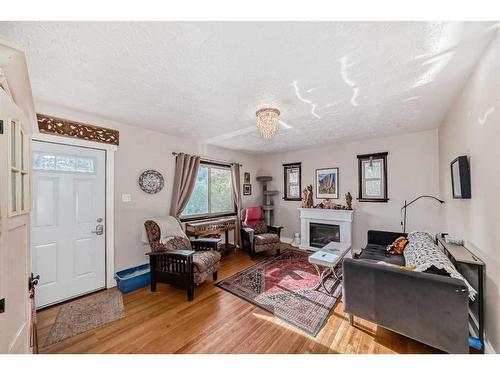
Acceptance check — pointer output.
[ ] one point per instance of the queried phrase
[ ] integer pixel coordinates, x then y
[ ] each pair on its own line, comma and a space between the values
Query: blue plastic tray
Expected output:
133, 278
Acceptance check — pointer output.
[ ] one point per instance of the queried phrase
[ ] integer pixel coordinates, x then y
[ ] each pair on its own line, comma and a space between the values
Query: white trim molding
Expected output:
110, 192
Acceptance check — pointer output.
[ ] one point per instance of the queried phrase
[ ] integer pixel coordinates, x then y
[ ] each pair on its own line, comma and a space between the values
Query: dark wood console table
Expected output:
472, 268
204, 228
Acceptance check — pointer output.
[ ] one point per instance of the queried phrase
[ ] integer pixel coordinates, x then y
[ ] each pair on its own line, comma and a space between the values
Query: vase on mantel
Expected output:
268, 205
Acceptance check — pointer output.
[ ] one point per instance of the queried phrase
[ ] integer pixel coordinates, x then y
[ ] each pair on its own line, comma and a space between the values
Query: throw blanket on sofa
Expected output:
422, 253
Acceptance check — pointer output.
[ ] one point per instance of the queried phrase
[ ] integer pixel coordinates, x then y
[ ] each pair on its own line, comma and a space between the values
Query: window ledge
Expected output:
206, 217
377, 200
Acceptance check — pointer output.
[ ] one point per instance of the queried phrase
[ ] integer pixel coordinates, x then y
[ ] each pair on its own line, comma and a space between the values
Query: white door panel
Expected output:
15, 262
69, 202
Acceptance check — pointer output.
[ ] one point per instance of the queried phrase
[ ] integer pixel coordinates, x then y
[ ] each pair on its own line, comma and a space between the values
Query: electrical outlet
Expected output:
126, 198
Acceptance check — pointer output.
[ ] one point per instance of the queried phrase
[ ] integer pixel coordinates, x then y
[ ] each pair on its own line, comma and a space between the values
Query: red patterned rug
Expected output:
284, 285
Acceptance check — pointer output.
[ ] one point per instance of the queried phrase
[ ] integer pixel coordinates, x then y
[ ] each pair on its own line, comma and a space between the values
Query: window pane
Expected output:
50, 162
374, 170
13, 137
22, 150
85, 165
13, 191
221, 194
373, 188
293, 191
21, 191
44, 161
292, 182
198, 203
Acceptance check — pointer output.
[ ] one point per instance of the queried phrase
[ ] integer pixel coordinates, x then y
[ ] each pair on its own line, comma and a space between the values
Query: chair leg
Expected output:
278, 250
351, 319
153, 287
214, 275
190, 293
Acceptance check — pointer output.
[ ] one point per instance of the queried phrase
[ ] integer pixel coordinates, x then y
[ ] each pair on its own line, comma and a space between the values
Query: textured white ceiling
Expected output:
332, 81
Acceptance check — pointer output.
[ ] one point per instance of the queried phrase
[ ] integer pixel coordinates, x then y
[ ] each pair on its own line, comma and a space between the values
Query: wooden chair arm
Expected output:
205, 244
274, 229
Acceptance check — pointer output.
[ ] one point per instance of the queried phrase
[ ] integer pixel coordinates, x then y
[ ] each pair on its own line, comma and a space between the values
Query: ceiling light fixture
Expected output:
267, 122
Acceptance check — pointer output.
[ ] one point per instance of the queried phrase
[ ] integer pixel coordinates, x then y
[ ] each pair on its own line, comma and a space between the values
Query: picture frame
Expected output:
246, 178
460, 178
247, 189
327, 183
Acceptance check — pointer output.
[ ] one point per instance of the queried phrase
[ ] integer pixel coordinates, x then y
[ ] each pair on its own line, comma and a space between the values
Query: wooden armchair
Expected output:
260, 237
181, 262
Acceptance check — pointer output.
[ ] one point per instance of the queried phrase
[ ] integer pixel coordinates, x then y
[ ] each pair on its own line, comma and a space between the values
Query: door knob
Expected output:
99, 229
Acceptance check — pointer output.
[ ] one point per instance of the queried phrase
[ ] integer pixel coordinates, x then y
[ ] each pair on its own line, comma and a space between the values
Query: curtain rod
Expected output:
210, 160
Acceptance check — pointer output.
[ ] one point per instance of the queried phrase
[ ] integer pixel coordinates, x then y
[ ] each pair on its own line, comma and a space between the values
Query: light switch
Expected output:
126, 198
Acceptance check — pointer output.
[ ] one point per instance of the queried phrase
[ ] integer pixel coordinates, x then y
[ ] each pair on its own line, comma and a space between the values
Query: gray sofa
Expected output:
430, 306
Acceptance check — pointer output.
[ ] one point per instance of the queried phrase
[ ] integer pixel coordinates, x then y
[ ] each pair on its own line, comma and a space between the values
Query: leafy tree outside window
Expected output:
213, 192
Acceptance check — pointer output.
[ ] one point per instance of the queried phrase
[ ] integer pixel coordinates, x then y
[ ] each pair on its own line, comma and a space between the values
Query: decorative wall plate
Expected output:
151, 181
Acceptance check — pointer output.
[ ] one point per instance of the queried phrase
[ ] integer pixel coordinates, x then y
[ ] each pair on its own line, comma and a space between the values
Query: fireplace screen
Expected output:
322, 234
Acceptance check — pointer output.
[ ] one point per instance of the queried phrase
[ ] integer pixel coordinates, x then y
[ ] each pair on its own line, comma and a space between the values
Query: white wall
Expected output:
412, 166
142, 149
472, 127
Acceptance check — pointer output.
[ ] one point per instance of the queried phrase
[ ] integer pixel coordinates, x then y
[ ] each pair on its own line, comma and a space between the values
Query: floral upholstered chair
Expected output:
256, 235
179, 261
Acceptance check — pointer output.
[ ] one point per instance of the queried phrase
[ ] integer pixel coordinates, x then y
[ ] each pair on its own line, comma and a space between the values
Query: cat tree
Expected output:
268, 206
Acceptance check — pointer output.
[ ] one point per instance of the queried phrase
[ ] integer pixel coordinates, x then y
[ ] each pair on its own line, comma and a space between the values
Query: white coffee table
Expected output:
328, 257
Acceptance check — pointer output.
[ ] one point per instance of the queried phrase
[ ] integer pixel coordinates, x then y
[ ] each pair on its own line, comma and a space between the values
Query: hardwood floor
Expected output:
219, 322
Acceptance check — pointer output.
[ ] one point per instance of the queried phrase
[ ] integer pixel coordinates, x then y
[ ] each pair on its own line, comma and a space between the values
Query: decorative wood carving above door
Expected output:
67, 128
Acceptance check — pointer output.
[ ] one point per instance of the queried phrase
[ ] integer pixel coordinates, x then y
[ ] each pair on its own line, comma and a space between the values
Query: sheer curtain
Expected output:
186, 170
235, 175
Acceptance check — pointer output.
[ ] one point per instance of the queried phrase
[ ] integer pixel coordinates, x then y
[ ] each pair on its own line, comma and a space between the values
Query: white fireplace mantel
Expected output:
342, 218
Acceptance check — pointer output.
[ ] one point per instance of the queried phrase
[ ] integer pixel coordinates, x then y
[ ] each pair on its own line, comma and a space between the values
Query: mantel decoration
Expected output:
267, 122
307, 197
151, 181
58, 126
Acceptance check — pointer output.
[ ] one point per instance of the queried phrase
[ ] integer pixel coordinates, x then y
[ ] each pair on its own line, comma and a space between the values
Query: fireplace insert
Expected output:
322, 234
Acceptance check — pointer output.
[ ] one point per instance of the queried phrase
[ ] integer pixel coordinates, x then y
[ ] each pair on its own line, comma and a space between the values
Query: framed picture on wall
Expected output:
246, 178
247, 189
327, 183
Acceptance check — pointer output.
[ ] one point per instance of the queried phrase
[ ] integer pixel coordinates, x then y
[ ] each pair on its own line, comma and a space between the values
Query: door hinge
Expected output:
1, 126
2, 305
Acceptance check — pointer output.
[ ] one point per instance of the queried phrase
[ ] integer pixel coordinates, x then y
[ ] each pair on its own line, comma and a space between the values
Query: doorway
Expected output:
68, 223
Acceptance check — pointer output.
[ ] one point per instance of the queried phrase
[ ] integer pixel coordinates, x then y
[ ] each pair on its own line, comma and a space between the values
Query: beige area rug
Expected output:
85, 314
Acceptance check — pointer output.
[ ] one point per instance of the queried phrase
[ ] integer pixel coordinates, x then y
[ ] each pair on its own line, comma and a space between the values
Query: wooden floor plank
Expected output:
219, 322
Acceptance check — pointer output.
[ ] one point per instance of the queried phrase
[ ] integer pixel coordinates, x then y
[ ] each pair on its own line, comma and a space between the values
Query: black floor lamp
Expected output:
403, 222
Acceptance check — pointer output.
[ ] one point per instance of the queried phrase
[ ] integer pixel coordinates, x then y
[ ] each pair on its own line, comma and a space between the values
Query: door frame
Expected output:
109, 194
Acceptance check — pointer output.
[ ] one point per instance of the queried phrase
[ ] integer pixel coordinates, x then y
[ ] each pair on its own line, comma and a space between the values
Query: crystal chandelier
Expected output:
267, 121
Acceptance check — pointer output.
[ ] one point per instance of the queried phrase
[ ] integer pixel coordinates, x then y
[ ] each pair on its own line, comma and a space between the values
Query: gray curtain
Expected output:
235, 175
186, 170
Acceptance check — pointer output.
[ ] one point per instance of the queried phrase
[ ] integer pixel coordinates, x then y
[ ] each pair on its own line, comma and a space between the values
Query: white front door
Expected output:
68, 221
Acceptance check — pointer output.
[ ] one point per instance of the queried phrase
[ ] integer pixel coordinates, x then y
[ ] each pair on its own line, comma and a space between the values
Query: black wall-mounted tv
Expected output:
460, 178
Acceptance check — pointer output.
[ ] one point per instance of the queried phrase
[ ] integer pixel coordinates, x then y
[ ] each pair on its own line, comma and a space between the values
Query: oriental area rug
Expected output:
286, 286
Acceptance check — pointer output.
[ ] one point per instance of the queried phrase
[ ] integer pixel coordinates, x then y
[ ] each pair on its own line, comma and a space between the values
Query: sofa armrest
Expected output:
384, 238
429, 308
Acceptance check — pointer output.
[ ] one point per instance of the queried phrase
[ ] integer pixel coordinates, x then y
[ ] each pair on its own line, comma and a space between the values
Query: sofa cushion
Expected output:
259, 227
266, 238
379, 253
203, 260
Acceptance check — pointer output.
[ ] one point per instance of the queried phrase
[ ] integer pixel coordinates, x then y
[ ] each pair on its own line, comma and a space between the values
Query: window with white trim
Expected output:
19, 170
212, 194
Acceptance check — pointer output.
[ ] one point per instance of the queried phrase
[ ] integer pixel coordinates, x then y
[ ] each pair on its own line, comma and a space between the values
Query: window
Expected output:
19, 184
63, 163
372, 171
292, 188
212, 194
